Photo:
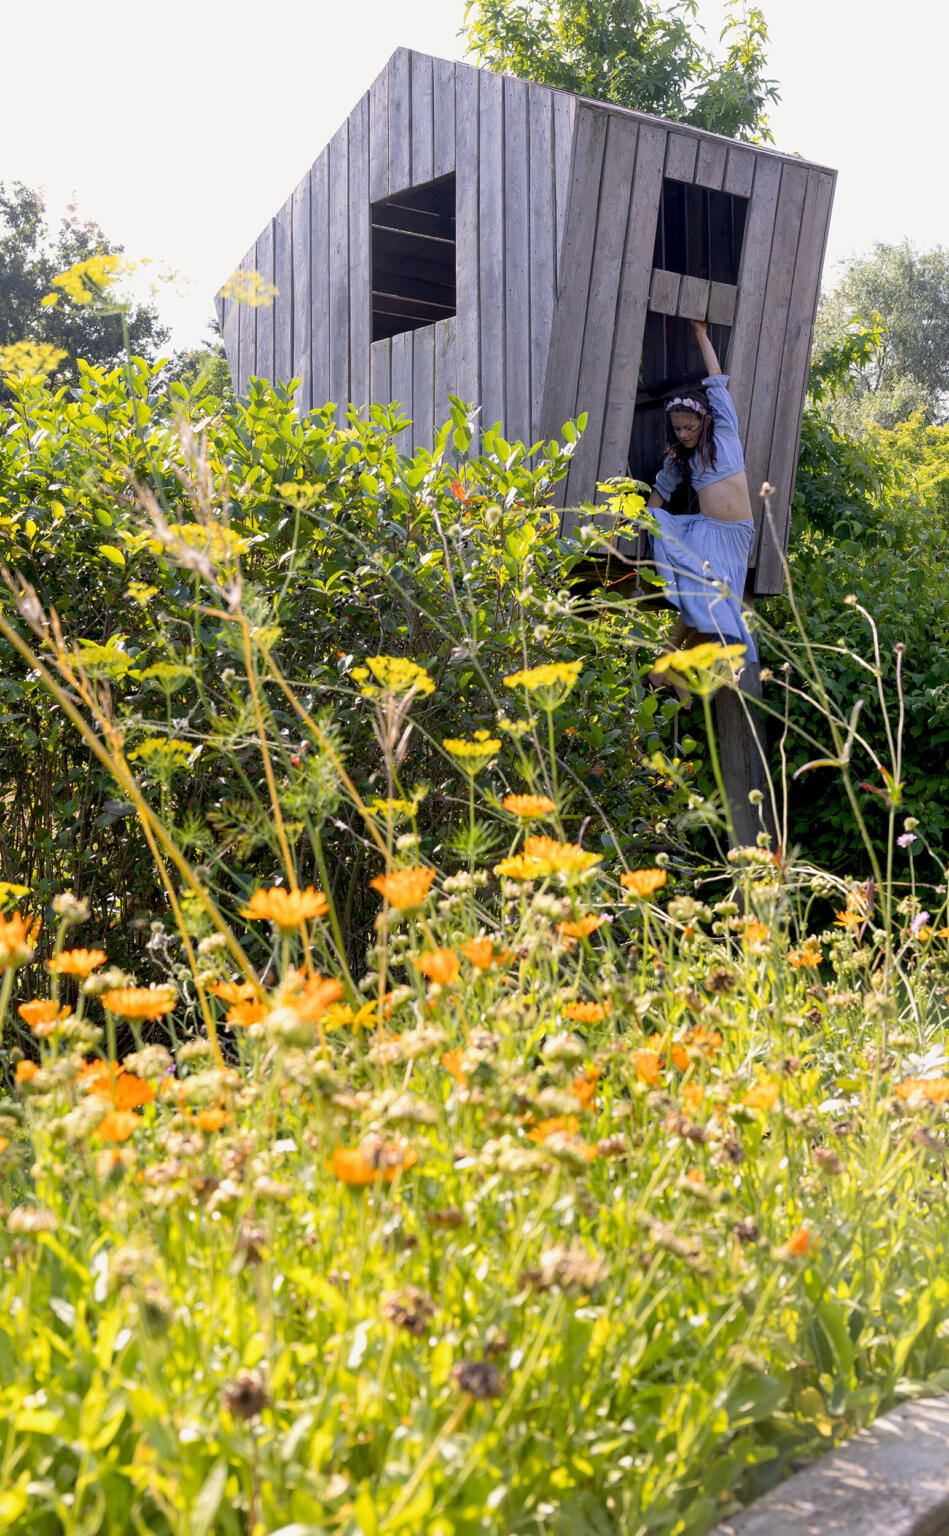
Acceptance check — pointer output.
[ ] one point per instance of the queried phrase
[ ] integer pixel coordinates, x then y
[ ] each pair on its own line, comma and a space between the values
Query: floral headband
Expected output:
687, 403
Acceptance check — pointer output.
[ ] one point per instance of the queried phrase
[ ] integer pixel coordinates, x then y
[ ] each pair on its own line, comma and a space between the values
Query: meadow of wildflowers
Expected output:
456, 1143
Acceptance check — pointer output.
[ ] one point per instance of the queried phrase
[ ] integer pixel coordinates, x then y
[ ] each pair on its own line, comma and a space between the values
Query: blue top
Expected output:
728, 450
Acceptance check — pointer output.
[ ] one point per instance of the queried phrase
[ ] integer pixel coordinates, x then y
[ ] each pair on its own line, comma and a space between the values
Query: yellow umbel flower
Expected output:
30, 361
475, 755
551, 682
249, 288
394, 675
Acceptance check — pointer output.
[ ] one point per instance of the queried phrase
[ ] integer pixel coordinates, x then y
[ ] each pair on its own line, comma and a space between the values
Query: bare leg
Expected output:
681, 636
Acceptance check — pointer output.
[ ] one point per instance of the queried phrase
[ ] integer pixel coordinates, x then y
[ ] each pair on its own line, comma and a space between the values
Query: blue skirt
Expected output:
703, 564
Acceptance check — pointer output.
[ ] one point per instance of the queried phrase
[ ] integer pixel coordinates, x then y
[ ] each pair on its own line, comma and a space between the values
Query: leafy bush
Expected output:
346, 550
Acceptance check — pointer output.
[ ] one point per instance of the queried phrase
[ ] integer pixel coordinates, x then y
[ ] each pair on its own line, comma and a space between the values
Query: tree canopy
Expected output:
908, 368
31, 257
644, 56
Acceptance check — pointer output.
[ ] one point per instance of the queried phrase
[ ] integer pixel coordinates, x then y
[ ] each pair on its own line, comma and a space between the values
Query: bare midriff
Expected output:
727, 500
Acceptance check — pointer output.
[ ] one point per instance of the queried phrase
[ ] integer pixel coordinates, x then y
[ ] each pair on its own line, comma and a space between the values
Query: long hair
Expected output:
704, 453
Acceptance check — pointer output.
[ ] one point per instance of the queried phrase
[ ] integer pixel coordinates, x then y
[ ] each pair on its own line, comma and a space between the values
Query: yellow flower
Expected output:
519, 867
405, 889
394, 809
474, 755
701, 663
439, 965
528, 805
394, 675
30, 361
76, 962
643, 882
88, 280
553, 674
249, 288
18, 937
287, 909
762, 1096
139, 1002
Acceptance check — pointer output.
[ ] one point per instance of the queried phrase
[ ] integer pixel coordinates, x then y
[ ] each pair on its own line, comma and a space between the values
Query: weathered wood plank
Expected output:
633, 300
229, 320
402, 384
752, 278
423, 386
722, 299
320, 279
467, 237
566, 342
400, 121
517, 294
265, 310
710, 163
380, 372
805, 288
443, 86
247, 332
339, 271
681, 152
360, 256
302, 295
423, 118
771, 336
565, 128
379, 137
284, 302
619, 160
543, 252
693, 298
445, 369
744, 755
739, 171
491, 244
664, 291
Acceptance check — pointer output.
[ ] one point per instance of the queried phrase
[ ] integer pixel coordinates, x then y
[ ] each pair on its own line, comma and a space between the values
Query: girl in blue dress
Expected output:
702, 558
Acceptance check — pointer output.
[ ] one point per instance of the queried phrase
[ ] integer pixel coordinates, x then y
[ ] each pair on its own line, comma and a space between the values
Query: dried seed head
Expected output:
410, 1309
478, 1378
246, 1395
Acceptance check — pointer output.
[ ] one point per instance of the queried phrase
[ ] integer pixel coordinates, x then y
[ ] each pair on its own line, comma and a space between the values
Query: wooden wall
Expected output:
556, 214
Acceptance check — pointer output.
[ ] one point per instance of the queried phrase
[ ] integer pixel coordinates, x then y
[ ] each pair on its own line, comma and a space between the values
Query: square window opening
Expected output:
413, 258
700, 231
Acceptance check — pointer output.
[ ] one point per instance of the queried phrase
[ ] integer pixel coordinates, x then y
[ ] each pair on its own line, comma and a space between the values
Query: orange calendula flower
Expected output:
586, 1013
358, 1166
643, 882
810, 954
76, 962
451, 1061
18, 936
581, 929
761, 1096
405, 889
757, 933
693, 1094
234, 991
933, 1089
529, 805
318, 995
243, 1014
286, 909
481, 954
42, 1011
439, 965
118, 1125
120, 1088
560, 1125
211, 1119
584, 1086
4, 1143
647, 1065
25, 1071
803, 1240
139, 1002
567, 857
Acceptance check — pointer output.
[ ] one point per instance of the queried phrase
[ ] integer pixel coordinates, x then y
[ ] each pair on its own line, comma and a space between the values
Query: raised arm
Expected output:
712, 364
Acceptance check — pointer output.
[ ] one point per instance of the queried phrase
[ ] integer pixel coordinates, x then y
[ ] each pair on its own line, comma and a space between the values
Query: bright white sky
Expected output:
181, 126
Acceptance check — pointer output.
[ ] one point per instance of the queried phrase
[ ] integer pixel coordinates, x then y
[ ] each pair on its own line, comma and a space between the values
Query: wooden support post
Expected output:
743, 754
